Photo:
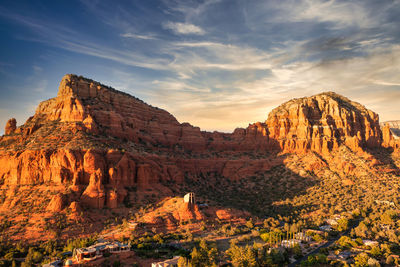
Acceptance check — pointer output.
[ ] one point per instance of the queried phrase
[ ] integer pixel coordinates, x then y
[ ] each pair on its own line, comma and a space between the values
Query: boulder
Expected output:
94, 195
57, 203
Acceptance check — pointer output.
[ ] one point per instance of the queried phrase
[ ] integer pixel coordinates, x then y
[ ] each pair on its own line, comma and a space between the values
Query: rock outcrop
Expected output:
11, 125
100, 142
56, 204
94, 194
394, 127
389, 138
322, 123
173, 212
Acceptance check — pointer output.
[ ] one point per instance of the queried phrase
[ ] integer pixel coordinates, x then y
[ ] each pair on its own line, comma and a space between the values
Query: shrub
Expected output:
315, 260
361, 260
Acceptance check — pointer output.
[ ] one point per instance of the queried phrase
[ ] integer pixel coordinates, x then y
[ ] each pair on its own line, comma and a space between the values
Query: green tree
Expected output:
376, 252
343, 224
196, 257
184, 262
361, 260
250, 223
37, 257
272, 237
297, 251
346, 242
314, 260
26, 264
242, 256
361, 230
10, 255
317, 238
387, 217
204, 255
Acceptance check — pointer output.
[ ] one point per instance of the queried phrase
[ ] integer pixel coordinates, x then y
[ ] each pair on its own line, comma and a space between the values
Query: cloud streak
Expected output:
138, 36
183, 28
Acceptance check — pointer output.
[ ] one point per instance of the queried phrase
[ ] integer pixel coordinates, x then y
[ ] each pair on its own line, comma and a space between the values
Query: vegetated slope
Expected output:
93, 147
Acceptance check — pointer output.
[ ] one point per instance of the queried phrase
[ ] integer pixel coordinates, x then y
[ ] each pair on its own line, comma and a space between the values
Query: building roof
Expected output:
172, 261
370, 242
101, 246
86, 250
56, 263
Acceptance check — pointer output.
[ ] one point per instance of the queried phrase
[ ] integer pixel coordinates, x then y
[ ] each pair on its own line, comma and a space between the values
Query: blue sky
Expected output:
216, 64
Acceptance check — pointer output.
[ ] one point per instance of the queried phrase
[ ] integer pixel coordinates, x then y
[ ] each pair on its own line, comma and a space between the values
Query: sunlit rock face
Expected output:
323, 122
98, 142
391, 134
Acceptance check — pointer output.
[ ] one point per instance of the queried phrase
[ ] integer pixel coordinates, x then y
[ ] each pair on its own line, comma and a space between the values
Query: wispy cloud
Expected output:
59, 36
183, 28
138, 36
340, 13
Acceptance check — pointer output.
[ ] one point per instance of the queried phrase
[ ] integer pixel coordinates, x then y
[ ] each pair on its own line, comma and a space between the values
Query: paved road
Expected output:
327, 244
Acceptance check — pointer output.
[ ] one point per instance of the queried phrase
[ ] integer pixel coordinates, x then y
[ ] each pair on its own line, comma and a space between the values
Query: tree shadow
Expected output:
386, 162
263, 194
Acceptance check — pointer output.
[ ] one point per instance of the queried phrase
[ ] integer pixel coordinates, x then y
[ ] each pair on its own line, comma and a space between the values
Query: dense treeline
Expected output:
39, 253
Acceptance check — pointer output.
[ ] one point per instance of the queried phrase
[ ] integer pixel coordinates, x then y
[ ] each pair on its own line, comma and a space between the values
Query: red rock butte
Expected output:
98, 141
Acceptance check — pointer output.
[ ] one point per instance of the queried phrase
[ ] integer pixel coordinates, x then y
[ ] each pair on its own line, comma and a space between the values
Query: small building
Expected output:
326, 228
118, 247
370, 243
168, 263
333, 221
56, 263
86, 254
303, 237
290, 243
189, 198
98, 250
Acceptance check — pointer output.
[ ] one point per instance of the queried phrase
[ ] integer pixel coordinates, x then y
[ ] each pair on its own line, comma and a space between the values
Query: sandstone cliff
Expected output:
323, 122
390, 137
99, 142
